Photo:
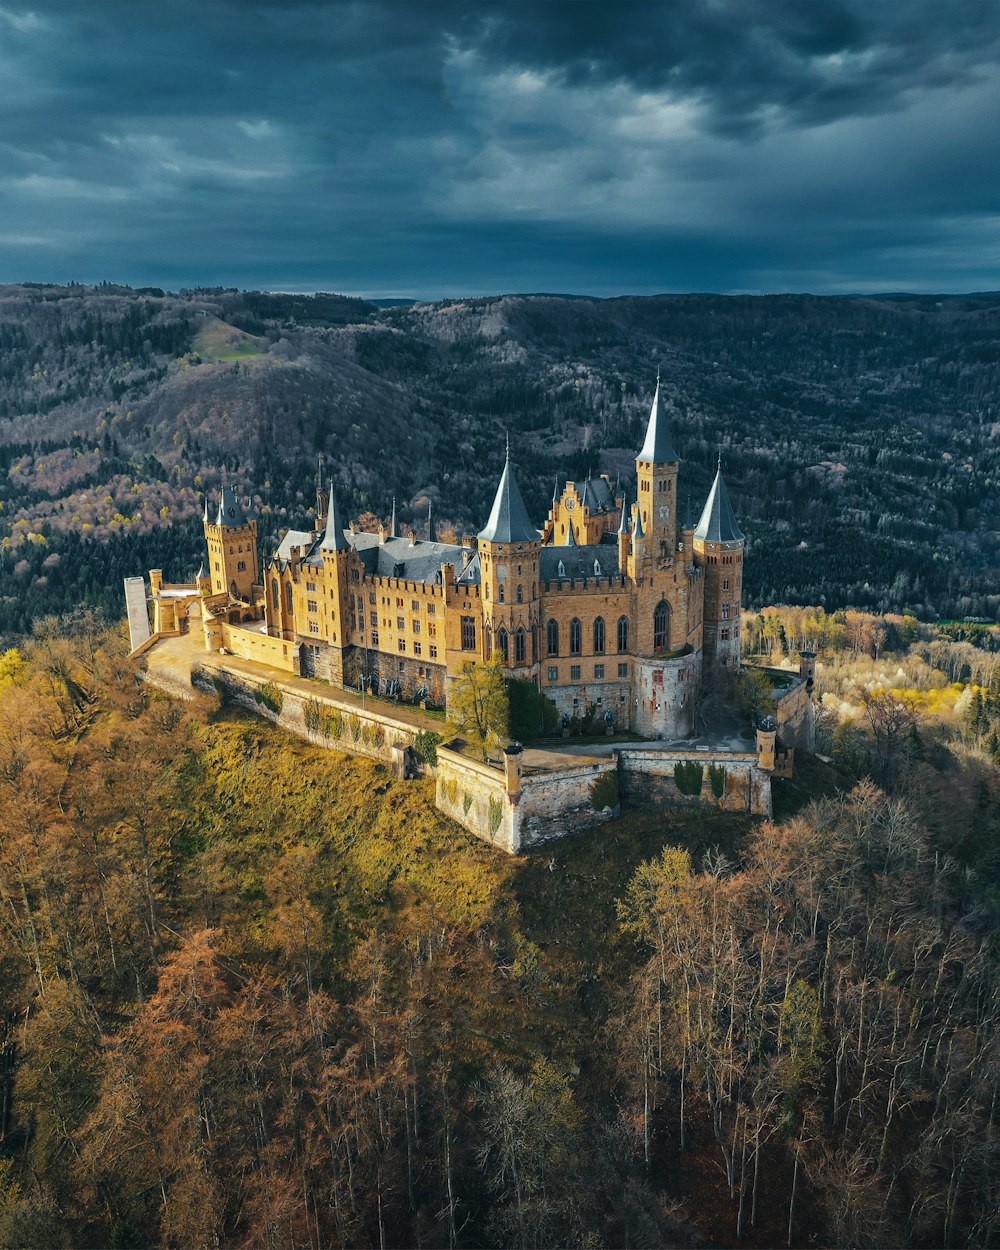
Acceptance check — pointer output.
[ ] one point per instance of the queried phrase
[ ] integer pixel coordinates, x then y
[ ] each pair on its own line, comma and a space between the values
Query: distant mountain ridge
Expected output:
859, 434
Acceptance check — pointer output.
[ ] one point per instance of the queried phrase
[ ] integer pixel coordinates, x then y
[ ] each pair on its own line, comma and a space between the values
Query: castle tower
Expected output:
335, 551
232, 548
656, 467
509, 547
718, 548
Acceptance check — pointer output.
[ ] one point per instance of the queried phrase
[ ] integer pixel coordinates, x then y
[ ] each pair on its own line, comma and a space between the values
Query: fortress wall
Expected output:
321, 719
647, 776
250, 644
795, 717
559, 803
475, 795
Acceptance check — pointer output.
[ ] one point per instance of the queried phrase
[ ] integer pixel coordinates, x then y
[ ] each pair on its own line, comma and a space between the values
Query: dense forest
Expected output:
860, 436
254, 993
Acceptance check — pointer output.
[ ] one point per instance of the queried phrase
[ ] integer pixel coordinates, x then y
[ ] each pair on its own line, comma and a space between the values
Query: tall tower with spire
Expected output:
509, 547
335, 550
656, 468
718, 548
232, 547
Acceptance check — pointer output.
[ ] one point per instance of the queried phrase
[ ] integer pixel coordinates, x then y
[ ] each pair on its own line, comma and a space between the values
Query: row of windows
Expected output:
576, 636
417, 647
575, 672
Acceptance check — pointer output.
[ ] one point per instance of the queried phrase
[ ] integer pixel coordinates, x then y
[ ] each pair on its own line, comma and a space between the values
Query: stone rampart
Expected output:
565, 801
795, 716
251, 644
475, 795
648, 775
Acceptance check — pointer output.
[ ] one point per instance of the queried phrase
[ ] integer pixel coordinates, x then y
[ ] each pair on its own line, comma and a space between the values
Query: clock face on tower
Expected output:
570, 505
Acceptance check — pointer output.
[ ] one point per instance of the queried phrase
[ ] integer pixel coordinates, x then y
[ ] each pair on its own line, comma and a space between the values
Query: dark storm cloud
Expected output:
434, 147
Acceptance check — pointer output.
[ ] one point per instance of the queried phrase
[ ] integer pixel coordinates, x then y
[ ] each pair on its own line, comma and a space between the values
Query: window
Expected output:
374, 637
433, 652
414, 605
416, 627
402, 644
661, 626
574, 672
432, 629
468, 633
312, 605
599, 636
552, 636
725, 611
314, 627
622, 634
502, 596
622, 670
520, 594
597, 568
725, 635
288, 596
400, 623
562, 569
311, 587
373, 619
725, 583
575, 637
520, 649
355, 577
553, 674
371, 599
417, 648
275, 593
598, 671
399, 603
431, 609
241, 566
503, 644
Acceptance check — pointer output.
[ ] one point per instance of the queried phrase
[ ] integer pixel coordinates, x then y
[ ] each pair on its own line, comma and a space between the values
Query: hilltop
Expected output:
860, 435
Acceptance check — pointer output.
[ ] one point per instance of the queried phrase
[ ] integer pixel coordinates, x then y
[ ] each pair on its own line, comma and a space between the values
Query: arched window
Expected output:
575, 637
599, 636
520, 648
661, 626
562, 569
520, 594
288, 596
275, 593
503, 643
502, 596
623, 633
552, 636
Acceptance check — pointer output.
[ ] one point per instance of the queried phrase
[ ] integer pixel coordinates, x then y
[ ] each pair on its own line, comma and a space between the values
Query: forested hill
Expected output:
859, 436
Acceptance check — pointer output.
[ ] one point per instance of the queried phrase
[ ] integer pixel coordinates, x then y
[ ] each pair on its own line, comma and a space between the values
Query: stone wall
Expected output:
475, 795
251, 644
648, 776
795, 716
562, 802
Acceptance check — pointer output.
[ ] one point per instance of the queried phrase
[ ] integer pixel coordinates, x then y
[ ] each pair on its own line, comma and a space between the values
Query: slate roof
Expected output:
579, 561
334, 539
509, 521
597, 495
718, 521
230, 509
397, 557
658, 447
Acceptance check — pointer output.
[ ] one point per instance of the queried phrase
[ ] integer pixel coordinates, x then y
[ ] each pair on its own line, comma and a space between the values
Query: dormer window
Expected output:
597, 568
562, 569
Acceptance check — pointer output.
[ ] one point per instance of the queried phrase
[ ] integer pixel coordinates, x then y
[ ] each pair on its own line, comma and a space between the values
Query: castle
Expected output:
614, 608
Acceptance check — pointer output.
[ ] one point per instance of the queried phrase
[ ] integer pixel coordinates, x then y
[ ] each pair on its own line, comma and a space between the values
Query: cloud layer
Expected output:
449, 148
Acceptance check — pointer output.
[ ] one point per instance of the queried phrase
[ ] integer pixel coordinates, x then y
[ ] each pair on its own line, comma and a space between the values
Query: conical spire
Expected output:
334, 539
431, 533
392, 523
571, 536
718, 521
555, 493
509, 521
658, 447
201, 572
230, 508
637, 528
623, 523
205, 517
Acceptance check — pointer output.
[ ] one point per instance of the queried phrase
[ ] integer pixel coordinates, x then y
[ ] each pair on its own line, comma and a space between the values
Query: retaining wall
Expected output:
648, 776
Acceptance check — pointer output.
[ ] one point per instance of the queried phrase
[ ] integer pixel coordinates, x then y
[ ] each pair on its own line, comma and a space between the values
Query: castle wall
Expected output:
665, 691
250, 644
475, 795
647, 776
795, 716
560, 803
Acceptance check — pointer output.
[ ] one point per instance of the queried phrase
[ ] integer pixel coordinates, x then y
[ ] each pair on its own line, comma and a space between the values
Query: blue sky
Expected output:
438, 148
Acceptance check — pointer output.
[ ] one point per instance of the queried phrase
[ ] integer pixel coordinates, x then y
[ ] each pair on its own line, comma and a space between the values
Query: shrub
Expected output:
332, 725
717, 779
368, 735
313, 715
496, 815
688, 777
379, 736
466, 801
425, 746
451, 791
354, 725
604, 792
270, 696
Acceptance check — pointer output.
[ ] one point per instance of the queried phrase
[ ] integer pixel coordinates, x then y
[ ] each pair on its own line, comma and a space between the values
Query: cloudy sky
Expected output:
430, 148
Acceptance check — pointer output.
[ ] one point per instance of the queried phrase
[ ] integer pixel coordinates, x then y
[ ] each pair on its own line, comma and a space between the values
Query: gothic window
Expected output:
661, 626
275, 593
503, 644
520, 647
725, 611
468, 633
599, 636
575, 637
502, 595
520, 594
288, 596
552, 636
623, 633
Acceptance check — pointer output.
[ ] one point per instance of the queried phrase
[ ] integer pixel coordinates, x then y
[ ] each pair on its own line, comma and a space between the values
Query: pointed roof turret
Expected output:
205, 517
201, 572
637, 528
509, 521
230, 509
718, 521
392, 523
555, 493
571, 536
431, 533
658, 447
623, 523
334, 539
